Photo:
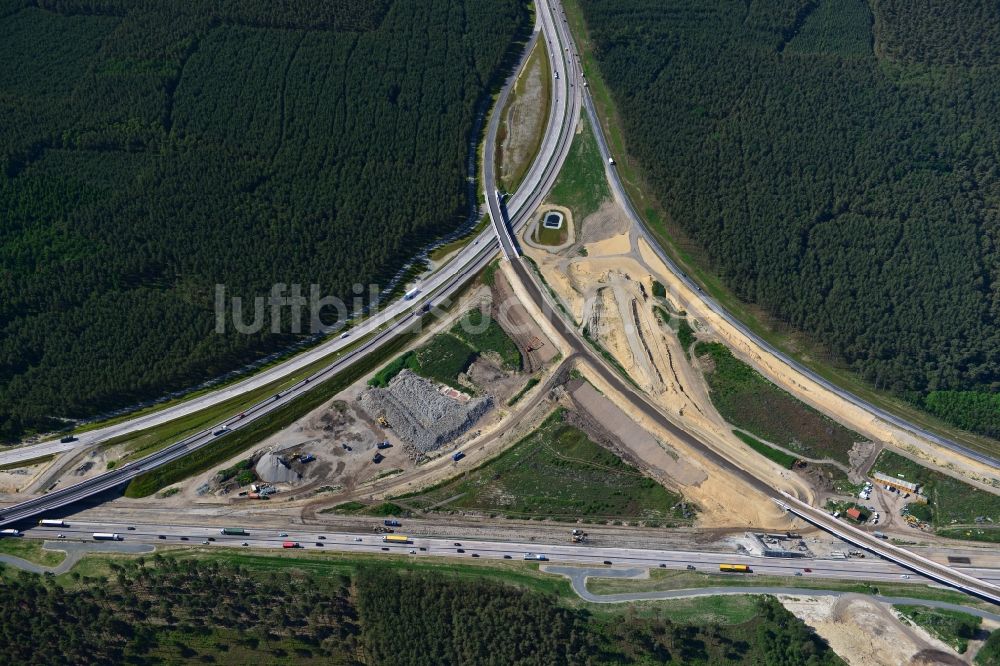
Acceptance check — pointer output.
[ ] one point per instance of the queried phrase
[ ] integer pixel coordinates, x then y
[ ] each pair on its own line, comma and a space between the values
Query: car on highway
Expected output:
808, 570
798, 573
319, 543
220, 431
457, 544
475, 554
131, 528
358, 539
507, 557
161, 536
461, 550
211, 538
184, 539
689, 567
423, 548
205, 542
385, 549
60, 536
413, 552
662, 565
905, 576
608, 562
283, 534
244, 544
321, 537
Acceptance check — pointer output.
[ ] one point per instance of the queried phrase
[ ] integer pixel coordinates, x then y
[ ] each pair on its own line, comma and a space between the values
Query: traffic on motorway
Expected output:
474, 257
395, 543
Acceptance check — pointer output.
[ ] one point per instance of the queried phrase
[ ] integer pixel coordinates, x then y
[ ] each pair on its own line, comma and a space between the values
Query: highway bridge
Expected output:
394, 322
555, 146
640, 224
501, 226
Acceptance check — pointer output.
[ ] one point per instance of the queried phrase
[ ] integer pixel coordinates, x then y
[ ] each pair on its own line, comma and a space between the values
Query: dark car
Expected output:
321, 537
461, 550
385, 549
184, 539
808, 570
475, 554
161, 536
507, 557
131, 527
457, 543
422, 548
319, 543
607, 561
662, 565
211, 538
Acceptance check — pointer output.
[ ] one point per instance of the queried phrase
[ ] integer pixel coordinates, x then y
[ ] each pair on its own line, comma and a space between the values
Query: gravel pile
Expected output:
272, 468
419, 414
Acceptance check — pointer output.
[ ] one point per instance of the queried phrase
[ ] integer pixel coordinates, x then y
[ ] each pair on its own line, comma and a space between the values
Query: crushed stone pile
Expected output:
272, 468
419, 414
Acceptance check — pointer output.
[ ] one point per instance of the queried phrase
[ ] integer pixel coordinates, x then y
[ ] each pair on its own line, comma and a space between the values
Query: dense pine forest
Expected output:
150, 149
839, 163
165, 610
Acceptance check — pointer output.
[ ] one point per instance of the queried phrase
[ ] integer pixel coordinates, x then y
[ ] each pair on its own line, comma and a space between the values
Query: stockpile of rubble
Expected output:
419, 414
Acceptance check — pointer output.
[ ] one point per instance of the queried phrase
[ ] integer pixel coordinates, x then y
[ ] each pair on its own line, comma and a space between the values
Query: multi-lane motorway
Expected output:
392, 322
868, 568
399, 316
394, 317
640, 224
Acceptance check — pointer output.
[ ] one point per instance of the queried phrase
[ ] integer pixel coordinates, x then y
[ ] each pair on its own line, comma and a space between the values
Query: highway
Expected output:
640, 224
395, 320
438, 287
400, 316
869, 568
640, 401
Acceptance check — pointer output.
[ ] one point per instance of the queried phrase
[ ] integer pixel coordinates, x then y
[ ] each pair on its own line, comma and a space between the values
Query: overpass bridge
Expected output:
501, 225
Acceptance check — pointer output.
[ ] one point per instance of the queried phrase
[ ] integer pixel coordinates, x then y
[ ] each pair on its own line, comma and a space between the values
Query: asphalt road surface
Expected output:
868, 568
578, 580
395, 317
640, 224
540, 179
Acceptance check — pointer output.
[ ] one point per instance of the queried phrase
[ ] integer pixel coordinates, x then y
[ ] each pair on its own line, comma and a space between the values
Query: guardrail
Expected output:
918, 563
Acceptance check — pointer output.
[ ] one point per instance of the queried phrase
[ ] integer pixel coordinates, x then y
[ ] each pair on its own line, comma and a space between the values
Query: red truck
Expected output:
290, 544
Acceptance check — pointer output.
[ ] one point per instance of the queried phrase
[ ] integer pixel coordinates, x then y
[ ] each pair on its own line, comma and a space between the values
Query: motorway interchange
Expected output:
507, 216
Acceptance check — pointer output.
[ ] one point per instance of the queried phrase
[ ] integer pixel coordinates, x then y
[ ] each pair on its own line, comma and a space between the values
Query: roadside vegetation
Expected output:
27, 463
153, 150
750, 402
551, 237
149, 440
360, 508
769, 452
532, 383
581, 185
556, 473
665, 580
31, 550
734, 237
240, 440
974, 513
232, 607
527, 109
989, 653
447, 355
952, 627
